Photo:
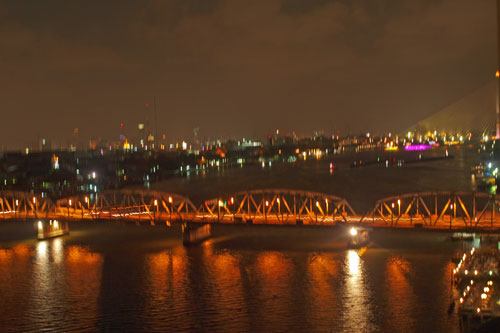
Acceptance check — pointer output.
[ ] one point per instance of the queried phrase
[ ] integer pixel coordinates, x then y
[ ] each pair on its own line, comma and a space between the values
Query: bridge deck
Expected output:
429, 210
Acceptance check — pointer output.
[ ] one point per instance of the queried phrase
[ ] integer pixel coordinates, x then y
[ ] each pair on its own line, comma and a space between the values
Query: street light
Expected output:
171, 205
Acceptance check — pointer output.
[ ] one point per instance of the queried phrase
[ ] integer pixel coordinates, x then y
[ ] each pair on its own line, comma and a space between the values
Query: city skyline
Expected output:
234, 70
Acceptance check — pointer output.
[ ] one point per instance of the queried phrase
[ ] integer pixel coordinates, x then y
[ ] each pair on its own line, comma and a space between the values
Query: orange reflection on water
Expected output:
225, 267
273, 267
168, 266
15, 272
226, 273
323, 270
273, 281
167, 281
400, 296
81, 255
83, 281
18, 252
358, 315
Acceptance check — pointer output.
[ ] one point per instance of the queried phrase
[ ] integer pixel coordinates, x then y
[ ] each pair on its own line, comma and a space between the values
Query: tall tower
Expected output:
497, 76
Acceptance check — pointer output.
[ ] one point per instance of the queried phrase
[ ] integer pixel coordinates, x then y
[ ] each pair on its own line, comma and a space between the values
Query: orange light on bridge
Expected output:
170, 199
156, 202
17, 202
497, 74
267, 203
278, 200
232, 200
392, 205
220, 203
317, 203
86, 199
451, 206
70, 202
34, 199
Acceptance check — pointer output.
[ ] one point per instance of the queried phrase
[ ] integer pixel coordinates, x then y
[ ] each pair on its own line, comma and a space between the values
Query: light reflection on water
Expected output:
245, 279
358, 314
63, 285
400, 293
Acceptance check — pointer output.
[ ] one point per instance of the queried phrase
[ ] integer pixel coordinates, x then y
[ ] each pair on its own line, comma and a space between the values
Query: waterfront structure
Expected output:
426, 210
475, 280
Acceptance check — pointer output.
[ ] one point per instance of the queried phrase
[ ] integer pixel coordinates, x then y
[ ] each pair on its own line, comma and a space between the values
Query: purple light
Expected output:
417, 147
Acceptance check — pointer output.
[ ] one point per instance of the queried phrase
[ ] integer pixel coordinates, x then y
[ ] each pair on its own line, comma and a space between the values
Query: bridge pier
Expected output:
195, 233
52, 228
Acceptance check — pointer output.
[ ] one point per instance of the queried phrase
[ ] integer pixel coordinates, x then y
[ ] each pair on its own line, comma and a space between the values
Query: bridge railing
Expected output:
438, 209
276, 206
127, 205
21, 205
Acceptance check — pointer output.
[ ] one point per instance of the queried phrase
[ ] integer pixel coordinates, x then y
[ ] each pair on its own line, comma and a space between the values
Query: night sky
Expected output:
236, 68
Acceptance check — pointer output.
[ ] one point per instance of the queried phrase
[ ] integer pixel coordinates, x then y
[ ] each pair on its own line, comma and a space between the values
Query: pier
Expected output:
476, 284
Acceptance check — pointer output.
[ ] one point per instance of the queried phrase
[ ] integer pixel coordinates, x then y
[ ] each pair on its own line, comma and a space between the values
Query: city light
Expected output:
417, 147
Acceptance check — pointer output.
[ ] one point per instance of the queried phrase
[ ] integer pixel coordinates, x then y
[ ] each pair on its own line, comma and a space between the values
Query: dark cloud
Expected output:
234, 67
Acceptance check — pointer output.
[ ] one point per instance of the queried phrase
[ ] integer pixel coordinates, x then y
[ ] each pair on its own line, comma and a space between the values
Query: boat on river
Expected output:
359, 237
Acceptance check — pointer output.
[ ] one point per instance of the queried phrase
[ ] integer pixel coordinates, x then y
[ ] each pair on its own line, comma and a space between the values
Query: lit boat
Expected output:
358, 237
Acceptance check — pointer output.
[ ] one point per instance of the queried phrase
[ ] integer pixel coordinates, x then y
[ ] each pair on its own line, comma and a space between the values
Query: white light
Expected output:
353, 232
40, 225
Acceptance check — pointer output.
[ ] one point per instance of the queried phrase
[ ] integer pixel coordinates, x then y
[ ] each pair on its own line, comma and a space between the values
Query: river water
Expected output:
122, 277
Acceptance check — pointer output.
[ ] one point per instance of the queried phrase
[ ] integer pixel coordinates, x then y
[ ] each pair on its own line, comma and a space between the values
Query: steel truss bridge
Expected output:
428, 210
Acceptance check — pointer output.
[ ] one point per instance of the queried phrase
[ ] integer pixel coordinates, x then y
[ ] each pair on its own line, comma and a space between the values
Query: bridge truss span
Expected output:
126, 205
437, 210
23, 205
276, 206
